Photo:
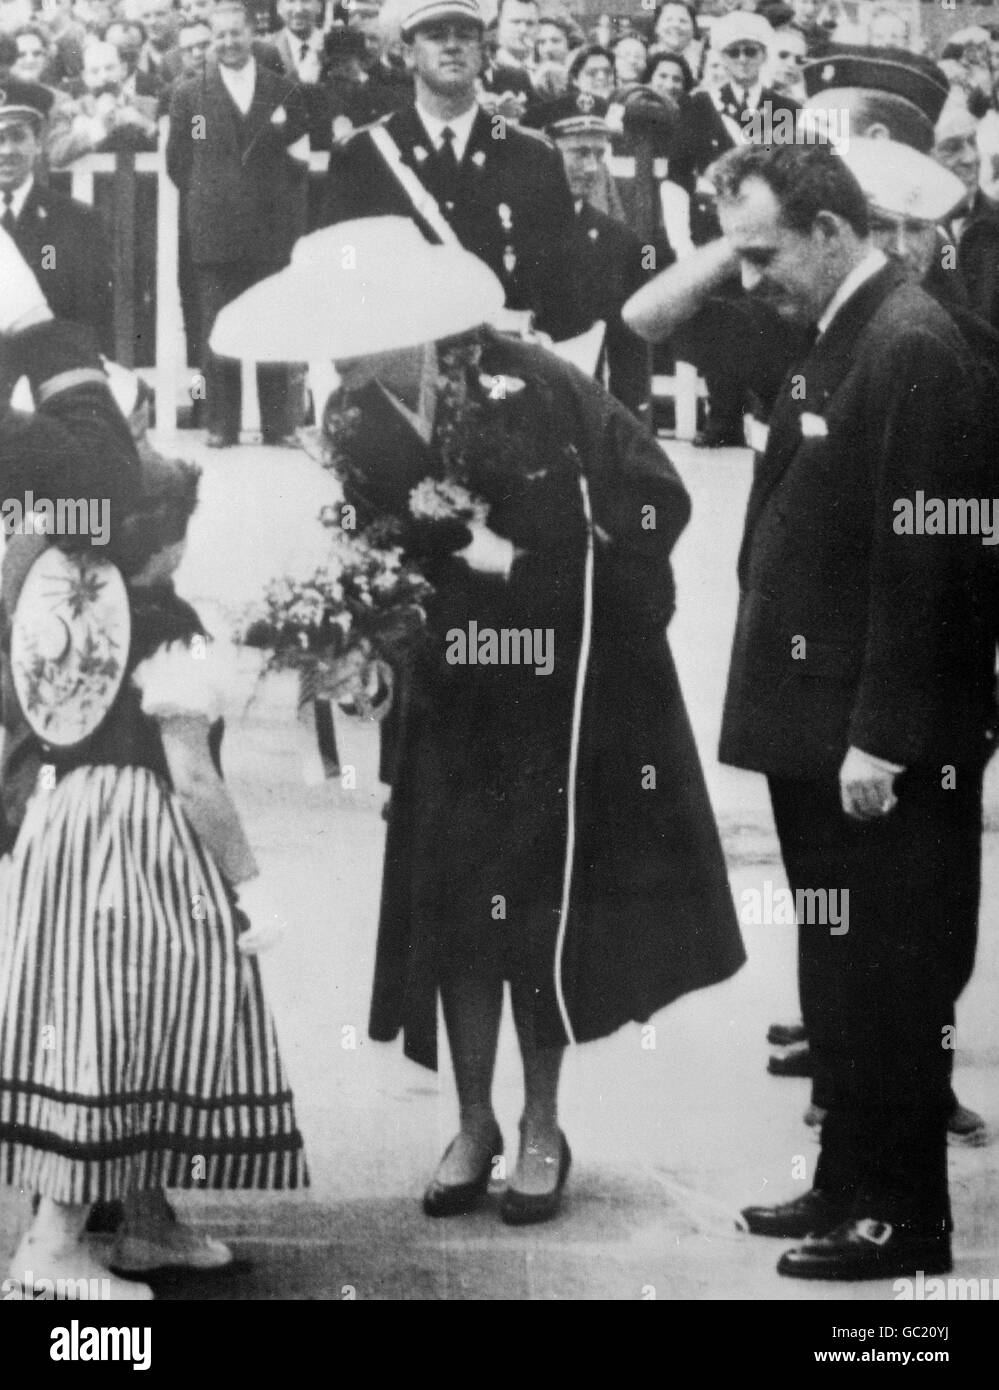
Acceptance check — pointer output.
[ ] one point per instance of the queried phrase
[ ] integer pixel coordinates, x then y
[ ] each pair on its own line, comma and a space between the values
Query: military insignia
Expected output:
479, 158
828, 73
593, 234
420, 154
505, 217
585, 103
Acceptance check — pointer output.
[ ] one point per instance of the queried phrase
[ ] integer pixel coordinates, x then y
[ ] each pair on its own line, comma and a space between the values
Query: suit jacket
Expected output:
513, 208
702, 136
978, 258
897, 656
64, 243
244, 195
609, 260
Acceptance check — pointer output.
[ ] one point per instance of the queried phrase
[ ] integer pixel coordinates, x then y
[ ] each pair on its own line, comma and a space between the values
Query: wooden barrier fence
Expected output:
171, 375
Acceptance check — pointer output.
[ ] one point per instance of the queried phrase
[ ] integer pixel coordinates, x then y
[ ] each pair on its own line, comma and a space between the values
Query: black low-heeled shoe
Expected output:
528, 1208
458, 1198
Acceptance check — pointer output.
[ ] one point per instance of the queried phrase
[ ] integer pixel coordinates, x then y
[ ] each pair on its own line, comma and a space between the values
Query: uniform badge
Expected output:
420, 154
813, 426
585, 103
828, 73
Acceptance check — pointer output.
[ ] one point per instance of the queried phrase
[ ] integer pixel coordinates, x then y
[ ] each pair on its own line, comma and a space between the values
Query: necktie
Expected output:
8, 211
303, 51
447, 160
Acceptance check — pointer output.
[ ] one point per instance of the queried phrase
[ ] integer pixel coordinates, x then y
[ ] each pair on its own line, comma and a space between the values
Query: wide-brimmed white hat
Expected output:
741, 26
901, 181
361, 287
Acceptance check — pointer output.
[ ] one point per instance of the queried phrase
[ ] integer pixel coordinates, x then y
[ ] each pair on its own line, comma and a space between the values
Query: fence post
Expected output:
171, 349
123, 258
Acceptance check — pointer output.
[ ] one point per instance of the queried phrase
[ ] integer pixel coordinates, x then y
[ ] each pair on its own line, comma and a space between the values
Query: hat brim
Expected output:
299, 316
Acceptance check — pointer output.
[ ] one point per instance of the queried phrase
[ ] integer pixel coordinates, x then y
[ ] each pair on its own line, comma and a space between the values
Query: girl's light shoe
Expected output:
167, 1245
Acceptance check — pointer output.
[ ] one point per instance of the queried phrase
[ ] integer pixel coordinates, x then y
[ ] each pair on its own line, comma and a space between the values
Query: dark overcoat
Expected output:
477, 840
849, 631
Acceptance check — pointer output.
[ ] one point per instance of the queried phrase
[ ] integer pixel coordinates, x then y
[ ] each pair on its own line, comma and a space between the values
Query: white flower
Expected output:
479, 158
420, 154
279, 116
813, 426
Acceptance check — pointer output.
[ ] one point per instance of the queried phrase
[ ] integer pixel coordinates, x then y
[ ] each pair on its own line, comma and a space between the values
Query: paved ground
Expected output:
669, 1141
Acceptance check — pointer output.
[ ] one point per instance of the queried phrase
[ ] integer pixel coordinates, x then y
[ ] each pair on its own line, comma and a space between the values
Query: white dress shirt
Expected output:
859, 275
240, 84
461, 125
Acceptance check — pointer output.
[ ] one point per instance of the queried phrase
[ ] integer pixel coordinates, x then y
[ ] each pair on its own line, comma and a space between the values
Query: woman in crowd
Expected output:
669, 76
676, 31
630, 57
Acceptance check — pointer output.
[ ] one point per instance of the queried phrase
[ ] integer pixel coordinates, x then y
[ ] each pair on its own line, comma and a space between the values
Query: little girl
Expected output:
136, 1048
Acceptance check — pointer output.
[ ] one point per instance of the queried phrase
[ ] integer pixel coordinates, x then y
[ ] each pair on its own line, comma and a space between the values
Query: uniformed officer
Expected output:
611, 261
463, 175
61, 239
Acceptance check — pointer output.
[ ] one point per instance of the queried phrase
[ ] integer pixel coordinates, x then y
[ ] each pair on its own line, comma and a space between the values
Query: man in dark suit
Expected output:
974, 228
230, 153
62, 240
860, 685
610, 260
463, 175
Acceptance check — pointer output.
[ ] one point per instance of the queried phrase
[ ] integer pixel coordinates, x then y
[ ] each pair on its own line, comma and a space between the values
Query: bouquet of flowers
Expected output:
346, 625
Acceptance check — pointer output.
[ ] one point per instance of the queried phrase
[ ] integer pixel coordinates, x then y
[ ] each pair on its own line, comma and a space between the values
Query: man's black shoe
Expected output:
786, 1034
796, 1061
813, 1213
868, 1249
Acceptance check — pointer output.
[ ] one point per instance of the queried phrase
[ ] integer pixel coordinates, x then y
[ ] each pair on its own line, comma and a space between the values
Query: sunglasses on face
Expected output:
743, 50
798, 58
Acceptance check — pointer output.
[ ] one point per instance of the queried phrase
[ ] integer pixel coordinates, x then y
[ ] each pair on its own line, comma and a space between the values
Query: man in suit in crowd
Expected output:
235, 152
299, 45
610, 259
743, 108
861, 685
463, 175
62, 240
105, 117
974, 227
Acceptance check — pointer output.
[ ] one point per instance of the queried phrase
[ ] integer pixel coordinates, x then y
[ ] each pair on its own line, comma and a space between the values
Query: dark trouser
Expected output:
218, 285
878, 1001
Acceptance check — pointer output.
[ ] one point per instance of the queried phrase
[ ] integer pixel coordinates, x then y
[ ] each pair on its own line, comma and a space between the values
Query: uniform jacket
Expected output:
849, 632
609, 258
244, 194
76, 274
513, 211
702, 135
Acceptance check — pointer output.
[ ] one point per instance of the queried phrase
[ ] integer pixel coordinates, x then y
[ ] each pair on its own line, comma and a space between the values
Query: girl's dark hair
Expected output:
160, 516
677, 59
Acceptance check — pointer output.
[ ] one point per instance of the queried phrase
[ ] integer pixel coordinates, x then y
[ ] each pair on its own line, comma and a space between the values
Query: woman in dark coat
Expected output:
550, 824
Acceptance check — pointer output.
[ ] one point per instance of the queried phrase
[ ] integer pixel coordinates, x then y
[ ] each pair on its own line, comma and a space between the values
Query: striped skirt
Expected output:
136, 1049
